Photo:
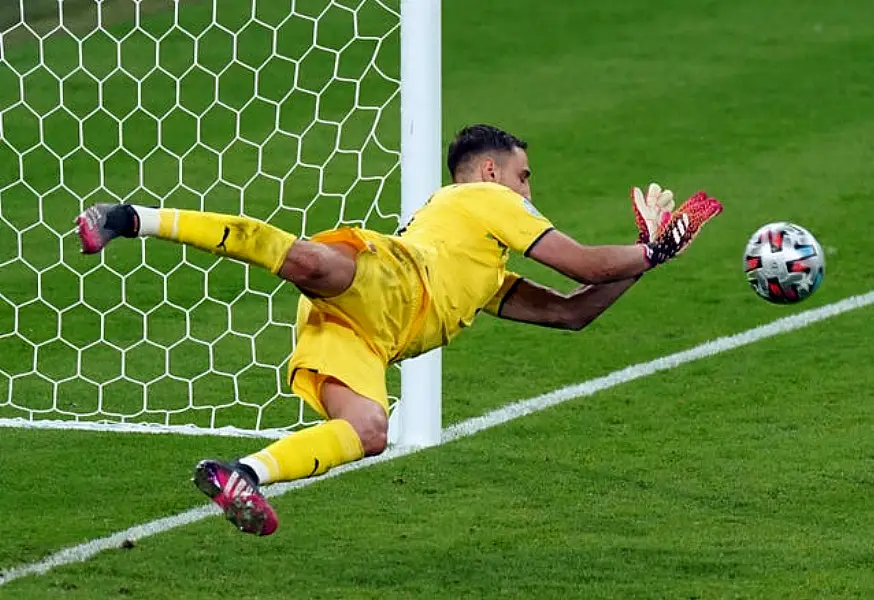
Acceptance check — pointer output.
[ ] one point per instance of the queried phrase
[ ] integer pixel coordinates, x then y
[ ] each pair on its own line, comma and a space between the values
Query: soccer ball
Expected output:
784, 263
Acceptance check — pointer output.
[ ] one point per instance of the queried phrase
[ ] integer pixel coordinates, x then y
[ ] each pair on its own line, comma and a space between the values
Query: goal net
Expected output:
286, 111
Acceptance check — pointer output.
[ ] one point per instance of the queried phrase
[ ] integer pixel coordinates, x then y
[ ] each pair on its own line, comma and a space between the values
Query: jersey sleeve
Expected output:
511, 280
509, 218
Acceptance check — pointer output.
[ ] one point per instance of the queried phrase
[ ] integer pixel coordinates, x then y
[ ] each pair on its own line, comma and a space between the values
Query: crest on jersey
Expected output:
530, 207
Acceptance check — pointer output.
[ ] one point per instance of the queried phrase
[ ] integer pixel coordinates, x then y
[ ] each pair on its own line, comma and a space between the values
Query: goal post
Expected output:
420, 407
308, 114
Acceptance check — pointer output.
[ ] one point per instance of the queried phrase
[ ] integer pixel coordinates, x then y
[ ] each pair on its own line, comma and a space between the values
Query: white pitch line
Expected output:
467, 428
671, 361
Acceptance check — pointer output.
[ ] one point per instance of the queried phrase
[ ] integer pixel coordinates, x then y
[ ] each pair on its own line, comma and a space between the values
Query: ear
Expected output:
488, 170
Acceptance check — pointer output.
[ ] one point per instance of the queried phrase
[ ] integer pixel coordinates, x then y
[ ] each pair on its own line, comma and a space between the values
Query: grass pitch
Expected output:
746, 475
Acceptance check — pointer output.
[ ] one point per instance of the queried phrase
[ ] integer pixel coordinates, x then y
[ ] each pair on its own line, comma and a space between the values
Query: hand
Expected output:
682, 227
651, 211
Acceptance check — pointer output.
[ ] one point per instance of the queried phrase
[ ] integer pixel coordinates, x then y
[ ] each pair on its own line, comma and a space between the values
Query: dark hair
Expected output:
477, 139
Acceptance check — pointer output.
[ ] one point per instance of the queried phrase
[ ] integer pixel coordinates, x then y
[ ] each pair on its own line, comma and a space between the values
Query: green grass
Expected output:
745, 475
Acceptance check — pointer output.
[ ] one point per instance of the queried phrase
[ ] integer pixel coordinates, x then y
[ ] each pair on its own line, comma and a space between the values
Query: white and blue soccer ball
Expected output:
784, 263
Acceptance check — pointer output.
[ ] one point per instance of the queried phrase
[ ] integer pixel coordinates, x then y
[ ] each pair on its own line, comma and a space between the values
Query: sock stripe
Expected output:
175, 230
273, 468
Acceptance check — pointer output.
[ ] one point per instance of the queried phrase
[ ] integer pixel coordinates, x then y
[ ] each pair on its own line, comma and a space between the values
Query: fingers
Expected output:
665, 201
701, 208
683, 226
638, 203
654, 211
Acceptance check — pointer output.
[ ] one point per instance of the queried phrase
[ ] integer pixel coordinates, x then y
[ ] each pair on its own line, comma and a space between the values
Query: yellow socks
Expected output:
242, 238
306, 453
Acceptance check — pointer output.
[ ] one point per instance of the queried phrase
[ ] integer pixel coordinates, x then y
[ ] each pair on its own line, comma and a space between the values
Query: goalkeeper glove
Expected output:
682, 227
652, 210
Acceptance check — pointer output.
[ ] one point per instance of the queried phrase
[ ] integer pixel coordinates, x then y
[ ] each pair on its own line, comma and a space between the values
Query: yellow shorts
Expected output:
354, 336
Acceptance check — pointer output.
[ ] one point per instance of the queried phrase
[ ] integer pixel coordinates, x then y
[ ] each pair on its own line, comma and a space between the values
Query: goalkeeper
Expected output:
369, 300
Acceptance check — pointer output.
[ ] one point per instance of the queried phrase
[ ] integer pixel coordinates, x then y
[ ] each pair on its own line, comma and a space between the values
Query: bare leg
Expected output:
319, 269
366, 416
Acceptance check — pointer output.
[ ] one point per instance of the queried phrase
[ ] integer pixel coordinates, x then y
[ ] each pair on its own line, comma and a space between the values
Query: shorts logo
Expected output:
530, 207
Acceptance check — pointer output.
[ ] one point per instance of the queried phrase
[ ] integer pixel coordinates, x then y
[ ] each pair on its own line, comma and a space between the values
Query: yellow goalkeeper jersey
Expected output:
414, 291
462, 238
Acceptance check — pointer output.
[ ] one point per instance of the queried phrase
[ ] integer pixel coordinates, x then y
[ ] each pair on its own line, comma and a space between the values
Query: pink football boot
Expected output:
237, 495
99, 224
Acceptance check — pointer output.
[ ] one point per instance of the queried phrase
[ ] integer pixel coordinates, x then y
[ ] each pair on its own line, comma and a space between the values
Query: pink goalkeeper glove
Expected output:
681, 228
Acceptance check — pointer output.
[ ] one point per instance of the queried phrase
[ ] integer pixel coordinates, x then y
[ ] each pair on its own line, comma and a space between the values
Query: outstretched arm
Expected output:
589, 264
603, 264
529, 302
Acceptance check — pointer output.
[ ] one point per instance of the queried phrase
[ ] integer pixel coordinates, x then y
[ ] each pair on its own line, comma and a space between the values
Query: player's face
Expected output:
513, 171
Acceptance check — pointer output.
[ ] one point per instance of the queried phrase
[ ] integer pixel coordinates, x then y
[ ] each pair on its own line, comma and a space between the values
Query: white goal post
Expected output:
420, 410
308, 114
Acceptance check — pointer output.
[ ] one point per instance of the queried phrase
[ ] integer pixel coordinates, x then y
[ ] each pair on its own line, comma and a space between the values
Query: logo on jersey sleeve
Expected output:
530, 207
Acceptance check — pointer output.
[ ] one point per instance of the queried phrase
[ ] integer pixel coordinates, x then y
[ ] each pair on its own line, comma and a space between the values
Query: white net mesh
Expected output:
283, 111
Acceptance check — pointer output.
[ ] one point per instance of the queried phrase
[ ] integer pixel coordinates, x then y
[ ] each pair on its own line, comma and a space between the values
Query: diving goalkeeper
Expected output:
369, 300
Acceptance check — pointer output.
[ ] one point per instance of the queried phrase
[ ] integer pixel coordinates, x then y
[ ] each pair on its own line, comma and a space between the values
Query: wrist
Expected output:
648, 256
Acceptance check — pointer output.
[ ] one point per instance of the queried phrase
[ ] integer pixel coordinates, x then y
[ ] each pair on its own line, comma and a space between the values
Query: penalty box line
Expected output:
510, 412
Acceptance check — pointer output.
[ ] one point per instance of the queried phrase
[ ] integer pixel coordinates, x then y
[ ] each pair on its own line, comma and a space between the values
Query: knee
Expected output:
304, 264
372, 430
321, 269
367, 417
